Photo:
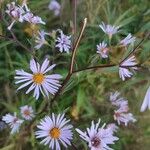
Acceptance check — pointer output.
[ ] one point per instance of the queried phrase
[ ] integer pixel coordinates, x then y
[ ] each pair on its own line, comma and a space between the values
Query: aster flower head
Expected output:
27, 112
102, 50
55, 7
40, 39
129, 39
122, 116
13, 121
109, 29
55, 130
38, 80
146, 101
98, 138
126, 67
29, 17
63, 42
15, 12
118, 101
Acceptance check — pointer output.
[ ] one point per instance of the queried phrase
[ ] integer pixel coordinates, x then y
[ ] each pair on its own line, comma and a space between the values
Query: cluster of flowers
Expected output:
22, 13
122, 114
127, 65
110, 30
15, 122
63, 42
56, 130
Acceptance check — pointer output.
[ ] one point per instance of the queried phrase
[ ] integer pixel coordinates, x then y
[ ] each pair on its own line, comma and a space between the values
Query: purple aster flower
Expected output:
54, 130
38, 80
98, 138
63, 42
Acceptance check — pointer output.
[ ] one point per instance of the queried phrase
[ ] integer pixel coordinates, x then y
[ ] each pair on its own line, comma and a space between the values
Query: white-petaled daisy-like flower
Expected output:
102, 50
126, 67
29, 17
55, 130
63, 42
13, 121
40, 39
39, 81
146, 101
109, 29
15, 12
98, 138
129, 39
122, 116
118, 101
27, 112
55, 7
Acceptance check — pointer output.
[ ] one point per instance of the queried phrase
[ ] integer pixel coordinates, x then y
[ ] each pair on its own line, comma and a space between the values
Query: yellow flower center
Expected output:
54, 133
38, 78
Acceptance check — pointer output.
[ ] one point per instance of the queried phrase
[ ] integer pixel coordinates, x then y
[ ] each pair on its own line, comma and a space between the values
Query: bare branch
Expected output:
76, 46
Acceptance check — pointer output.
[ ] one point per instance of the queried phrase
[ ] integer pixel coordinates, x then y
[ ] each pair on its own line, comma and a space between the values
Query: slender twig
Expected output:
94, 67
135, 48
76, 46
72, 62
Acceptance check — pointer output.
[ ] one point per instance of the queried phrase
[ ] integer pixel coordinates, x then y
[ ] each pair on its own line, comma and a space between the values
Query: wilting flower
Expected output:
109, 29
15, 12
27, 112
55, 130
122, 116
118, 101
126, 67
13, 121
40, 40
98, 138
129, 39
102, 50
146, 101
63, 42
39, 81
29, 17
54, 6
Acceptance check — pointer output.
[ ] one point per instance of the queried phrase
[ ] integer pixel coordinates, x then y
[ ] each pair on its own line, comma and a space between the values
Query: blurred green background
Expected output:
86, 96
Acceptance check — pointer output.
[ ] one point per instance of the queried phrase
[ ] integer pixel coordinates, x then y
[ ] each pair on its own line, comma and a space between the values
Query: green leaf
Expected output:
3, 44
